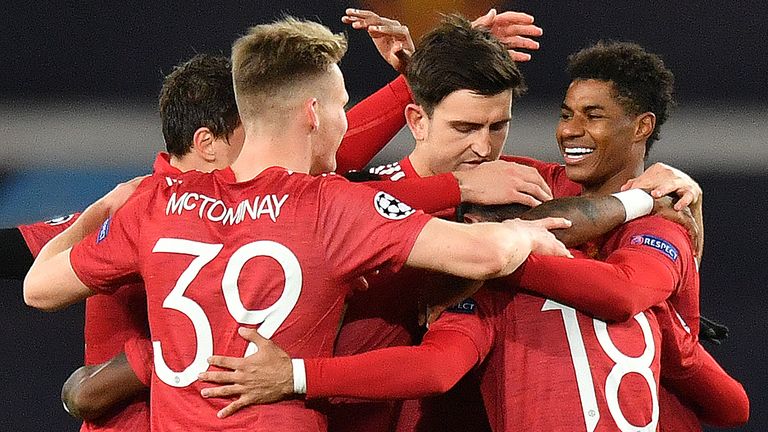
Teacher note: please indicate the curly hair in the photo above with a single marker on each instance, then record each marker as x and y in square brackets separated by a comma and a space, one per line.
[455, 56]
[641, 80]
[197, 93]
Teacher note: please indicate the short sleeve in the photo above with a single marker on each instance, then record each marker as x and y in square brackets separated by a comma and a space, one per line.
[107, 259]
[38, 234]
[365, 229]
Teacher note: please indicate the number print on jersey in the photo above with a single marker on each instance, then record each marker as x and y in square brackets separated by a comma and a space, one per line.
[270, 318]
[623, 365]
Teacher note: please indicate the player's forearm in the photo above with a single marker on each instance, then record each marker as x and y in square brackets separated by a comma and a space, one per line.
[395, 373]
[615, 290]
[429, 194]
[591, 217]
[372, 124]
[717, 398]
[479, 251]
[51, 283]
[93, 391]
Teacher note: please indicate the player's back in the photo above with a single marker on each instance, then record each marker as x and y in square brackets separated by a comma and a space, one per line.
[272, 253]
[555, 369]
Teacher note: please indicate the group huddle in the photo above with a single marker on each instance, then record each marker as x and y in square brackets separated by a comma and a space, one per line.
[262, 279]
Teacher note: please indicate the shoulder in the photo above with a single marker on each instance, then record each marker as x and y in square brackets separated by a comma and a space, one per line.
[654, 233]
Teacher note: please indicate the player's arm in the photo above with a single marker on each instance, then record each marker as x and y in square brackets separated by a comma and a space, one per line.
[93, 391]
[51, 283]
[689, 371]
[16, 257]
[483, 250]
[378, 118]
[631, 279]
[270, 375]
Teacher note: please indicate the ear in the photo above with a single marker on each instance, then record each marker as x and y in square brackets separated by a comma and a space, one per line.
[470, 218]
[646, 123]
[417, 120]
[202, 144]
[311, 107]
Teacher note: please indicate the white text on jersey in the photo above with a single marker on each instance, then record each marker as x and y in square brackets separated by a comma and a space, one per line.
[216, 210]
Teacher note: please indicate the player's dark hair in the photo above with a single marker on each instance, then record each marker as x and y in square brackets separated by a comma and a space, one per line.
[491, 213]
[641, 81]
[198, 93]
[454, 56]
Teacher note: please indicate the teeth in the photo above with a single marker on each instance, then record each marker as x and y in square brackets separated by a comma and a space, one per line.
[578, 151]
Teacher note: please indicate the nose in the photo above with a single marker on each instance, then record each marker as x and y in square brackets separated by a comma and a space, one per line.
[481, 144]
[571, 127]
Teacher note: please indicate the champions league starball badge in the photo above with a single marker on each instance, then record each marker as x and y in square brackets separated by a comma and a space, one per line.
[390, 207]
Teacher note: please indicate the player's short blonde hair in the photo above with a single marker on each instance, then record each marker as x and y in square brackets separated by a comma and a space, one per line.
[272, 60]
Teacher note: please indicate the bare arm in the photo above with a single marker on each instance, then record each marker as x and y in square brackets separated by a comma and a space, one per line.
[51, 283]
[93, 391]
[483, 250]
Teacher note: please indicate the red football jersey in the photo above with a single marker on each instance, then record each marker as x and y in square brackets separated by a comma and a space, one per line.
[277, 252]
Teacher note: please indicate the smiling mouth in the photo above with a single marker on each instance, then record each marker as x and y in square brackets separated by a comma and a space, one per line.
[574, 154]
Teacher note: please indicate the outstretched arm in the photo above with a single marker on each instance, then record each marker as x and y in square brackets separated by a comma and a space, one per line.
[270, 375]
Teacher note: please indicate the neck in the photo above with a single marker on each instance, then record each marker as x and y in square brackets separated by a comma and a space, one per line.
[267, 146]
[419, 160]
[613, 183]
[189, 162]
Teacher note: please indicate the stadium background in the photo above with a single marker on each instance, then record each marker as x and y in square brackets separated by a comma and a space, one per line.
[78, 86]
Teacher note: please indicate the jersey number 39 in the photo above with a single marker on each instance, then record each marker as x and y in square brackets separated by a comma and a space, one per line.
[270, 318]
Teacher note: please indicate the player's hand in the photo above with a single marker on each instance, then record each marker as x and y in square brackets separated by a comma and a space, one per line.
[514, 30]
[543, 242]
[392, 39]
[263, 377]
[664, 207]
[502, 182]
[115, 198]
[661, 179]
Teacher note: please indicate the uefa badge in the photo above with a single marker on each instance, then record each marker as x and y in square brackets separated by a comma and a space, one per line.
[390, 207]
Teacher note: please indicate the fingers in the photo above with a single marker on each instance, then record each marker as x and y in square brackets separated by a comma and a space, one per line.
[234, 407]
[685, 200]
[485, 20]
[519, 56]
[362, 19]
[222, 391]
[510, 17]
[231, 363]
[251, 335]
[551, 223]
[218, 377]
[519, 42]
[524, 199]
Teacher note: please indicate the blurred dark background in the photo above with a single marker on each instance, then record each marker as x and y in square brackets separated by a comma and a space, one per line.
[78, 87]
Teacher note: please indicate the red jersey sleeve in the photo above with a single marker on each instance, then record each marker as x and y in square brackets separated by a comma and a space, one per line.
[372, 124]
[552, 173]
[644, 268]
[690, 372]
[36, 235]
[365, 229]
[107, 259]
[139, 353]
[455, 343]
[429, 194]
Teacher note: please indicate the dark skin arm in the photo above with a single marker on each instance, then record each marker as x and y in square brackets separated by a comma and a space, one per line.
[94, 391]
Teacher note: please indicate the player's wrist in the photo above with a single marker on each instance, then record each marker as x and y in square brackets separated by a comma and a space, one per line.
[636, 202]
[299, 376]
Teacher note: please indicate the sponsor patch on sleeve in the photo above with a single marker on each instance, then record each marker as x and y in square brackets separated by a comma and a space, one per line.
[104, 230]
[390, 207]
[466, 306]
[657, 243]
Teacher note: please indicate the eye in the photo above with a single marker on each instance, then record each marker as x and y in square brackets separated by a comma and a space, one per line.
[566, 115]
[500, 126]
[463, 128]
